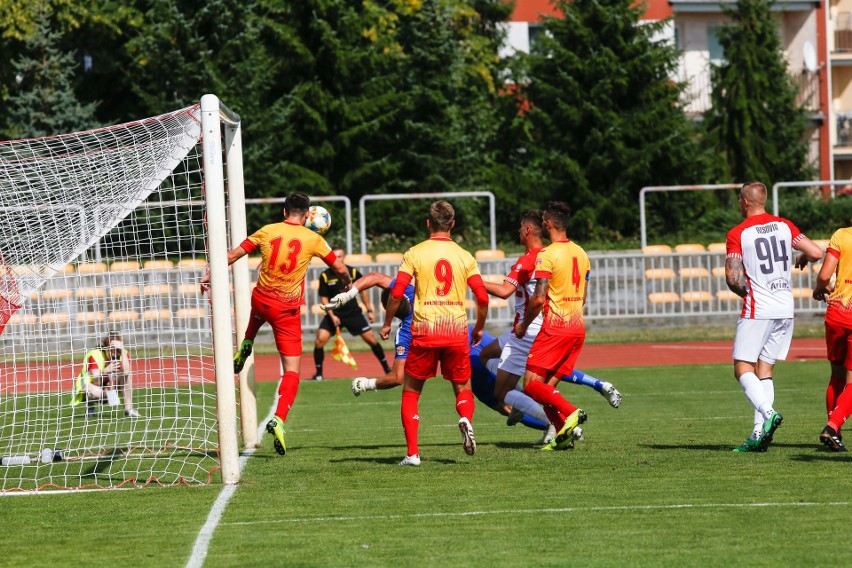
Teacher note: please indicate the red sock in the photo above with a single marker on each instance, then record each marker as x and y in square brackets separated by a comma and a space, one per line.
[410, 419]
[548, 395]
[832, 392]
[556, 418]
[287, 391]
[842, 411]
[465, 404]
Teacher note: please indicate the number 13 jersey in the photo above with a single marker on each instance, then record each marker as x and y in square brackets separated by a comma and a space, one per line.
[765, 243]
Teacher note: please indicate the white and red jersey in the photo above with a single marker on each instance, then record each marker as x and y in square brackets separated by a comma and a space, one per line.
[521, 277]
[765, 244]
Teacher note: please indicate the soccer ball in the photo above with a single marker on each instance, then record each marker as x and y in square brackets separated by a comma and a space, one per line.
[319, 219]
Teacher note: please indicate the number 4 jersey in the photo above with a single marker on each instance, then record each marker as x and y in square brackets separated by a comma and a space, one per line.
[765, 244]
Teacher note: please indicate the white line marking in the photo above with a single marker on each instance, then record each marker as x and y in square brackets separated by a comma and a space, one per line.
[205, 535]
[540, 511]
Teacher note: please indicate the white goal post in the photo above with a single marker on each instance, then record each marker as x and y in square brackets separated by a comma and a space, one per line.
[115, 369]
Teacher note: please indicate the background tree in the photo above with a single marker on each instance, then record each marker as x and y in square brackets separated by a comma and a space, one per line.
[605, 117]
[755, 123]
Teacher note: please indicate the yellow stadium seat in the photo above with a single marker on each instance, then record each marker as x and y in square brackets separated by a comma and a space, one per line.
[91, 267]
[489, 254]
[389, 257]
[822, 243]
[123, 291]
[816, 267]
[124, 266]
[156, 314]
[55, 318]
[56, 294]
[694, 272]
[663, 297]
[657, 249]
[23, 319]
[315, 309]
[190, 313]
[90, 293]
[254, 262]
[88, 317]
[158, 265]
[496, 303]
[494, 278]
[156, 290]
[357, 259]
[470, 304]
[697, 296]
[314, 284]
[659, 273]
[719, 271]
[717, 247]
[689, 248]
[726, 295]
[189, 289]
[123, 316]
[317, 261]
[192, 264]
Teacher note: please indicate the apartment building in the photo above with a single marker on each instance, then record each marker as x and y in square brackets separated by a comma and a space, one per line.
[817, 43]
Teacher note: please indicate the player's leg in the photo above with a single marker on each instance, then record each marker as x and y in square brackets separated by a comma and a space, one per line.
[94, 393]
[370, 339]
[256, 321]
[402, 343]
[774, 349]
[324, 333]
[511, 366]
[421, 365]
[839, 343]
[749, 340]
[607, 389]
[124, 382]
[287, 329]
[455, 367]
[836, 342]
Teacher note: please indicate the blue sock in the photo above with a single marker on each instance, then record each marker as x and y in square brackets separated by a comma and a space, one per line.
[581, 378]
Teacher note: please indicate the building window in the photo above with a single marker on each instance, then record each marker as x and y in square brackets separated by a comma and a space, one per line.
[536, 32]
[714, 47]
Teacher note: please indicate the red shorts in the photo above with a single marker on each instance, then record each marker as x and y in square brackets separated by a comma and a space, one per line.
[285, 319]
[422, 362]
[837, 343]
[553, 354]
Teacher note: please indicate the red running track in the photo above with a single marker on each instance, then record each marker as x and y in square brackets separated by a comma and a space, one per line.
[593, 356]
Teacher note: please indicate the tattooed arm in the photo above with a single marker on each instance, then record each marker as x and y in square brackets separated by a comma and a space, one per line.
[534, 307]
[735, 276]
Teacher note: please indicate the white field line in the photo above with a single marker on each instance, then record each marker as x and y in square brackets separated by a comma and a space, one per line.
[515, 512]
[205, 535]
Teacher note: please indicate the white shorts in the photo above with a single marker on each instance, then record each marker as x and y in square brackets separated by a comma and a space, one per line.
[764, 339]
[513, 357]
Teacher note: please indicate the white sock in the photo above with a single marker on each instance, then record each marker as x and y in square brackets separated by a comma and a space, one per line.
[491, 365]
[755, 394]
[517, 399]
[371, 384]
[768, 386]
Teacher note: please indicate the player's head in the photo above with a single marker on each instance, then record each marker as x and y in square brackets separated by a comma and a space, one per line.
[404, 305]
[339, 253]
[555, 217]
[113, 344]
[752, 198]
[441, 217]
[531, 225]
[296, 204]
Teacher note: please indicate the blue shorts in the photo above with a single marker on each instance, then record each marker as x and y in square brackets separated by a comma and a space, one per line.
[402, 341]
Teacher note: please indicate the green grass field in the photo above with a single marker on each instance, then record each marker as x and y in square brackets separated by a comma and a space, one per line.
[655, 483]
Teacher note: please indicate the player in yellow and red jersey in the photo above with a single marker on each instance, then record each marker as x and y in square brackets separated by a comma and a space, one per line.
[287, 249]
[562, 272]
[838, 333]
[442, 271]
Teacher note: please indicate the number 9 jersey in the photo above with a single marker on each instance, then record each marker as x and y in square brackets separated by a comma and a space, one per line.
[765, 244]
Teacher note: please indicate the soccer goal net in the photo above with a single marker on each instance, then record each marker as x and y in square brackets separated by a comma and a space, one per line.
[108, 371]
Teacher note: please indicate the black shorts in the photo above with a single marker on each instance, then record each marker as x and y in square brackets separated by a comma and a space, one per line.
[356, 324]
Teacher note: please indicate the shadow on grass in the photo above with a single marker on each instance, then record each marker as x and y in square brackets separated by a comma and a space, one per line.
[702, 447]
[823, 456]
[514, 445]
[395, 460]
[104, 462]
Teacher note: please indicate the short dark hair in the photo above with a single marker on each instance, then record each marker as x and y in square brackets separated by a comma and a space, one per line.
[535, 218]
[441, 216]
[296, 204]
[559, 214]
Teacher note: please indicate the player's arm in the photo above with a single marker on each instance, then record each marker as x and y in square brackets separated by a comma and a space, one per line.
[479, 291]
[503, 290]
[823, 282]
[535, 305]
[342, 272]
[735, 276]
[394, 300]
[234, 255]
[810, 252]
[361, 285]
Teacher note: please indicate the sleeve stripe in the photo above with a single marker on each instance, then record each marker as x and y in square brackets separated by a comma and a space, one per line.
[735, 255]
[798, 238]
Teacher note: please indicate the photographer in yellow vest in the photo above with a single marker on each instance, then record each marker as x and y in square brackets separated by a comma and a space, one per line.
[106, 371]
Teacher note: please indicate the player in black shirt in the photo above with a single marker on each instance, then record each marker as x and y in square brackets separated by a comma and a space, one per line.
[349, 316]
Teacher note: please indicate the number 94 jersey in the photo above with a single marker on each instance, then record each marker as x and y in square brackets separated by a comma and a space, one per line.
[765, 244]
